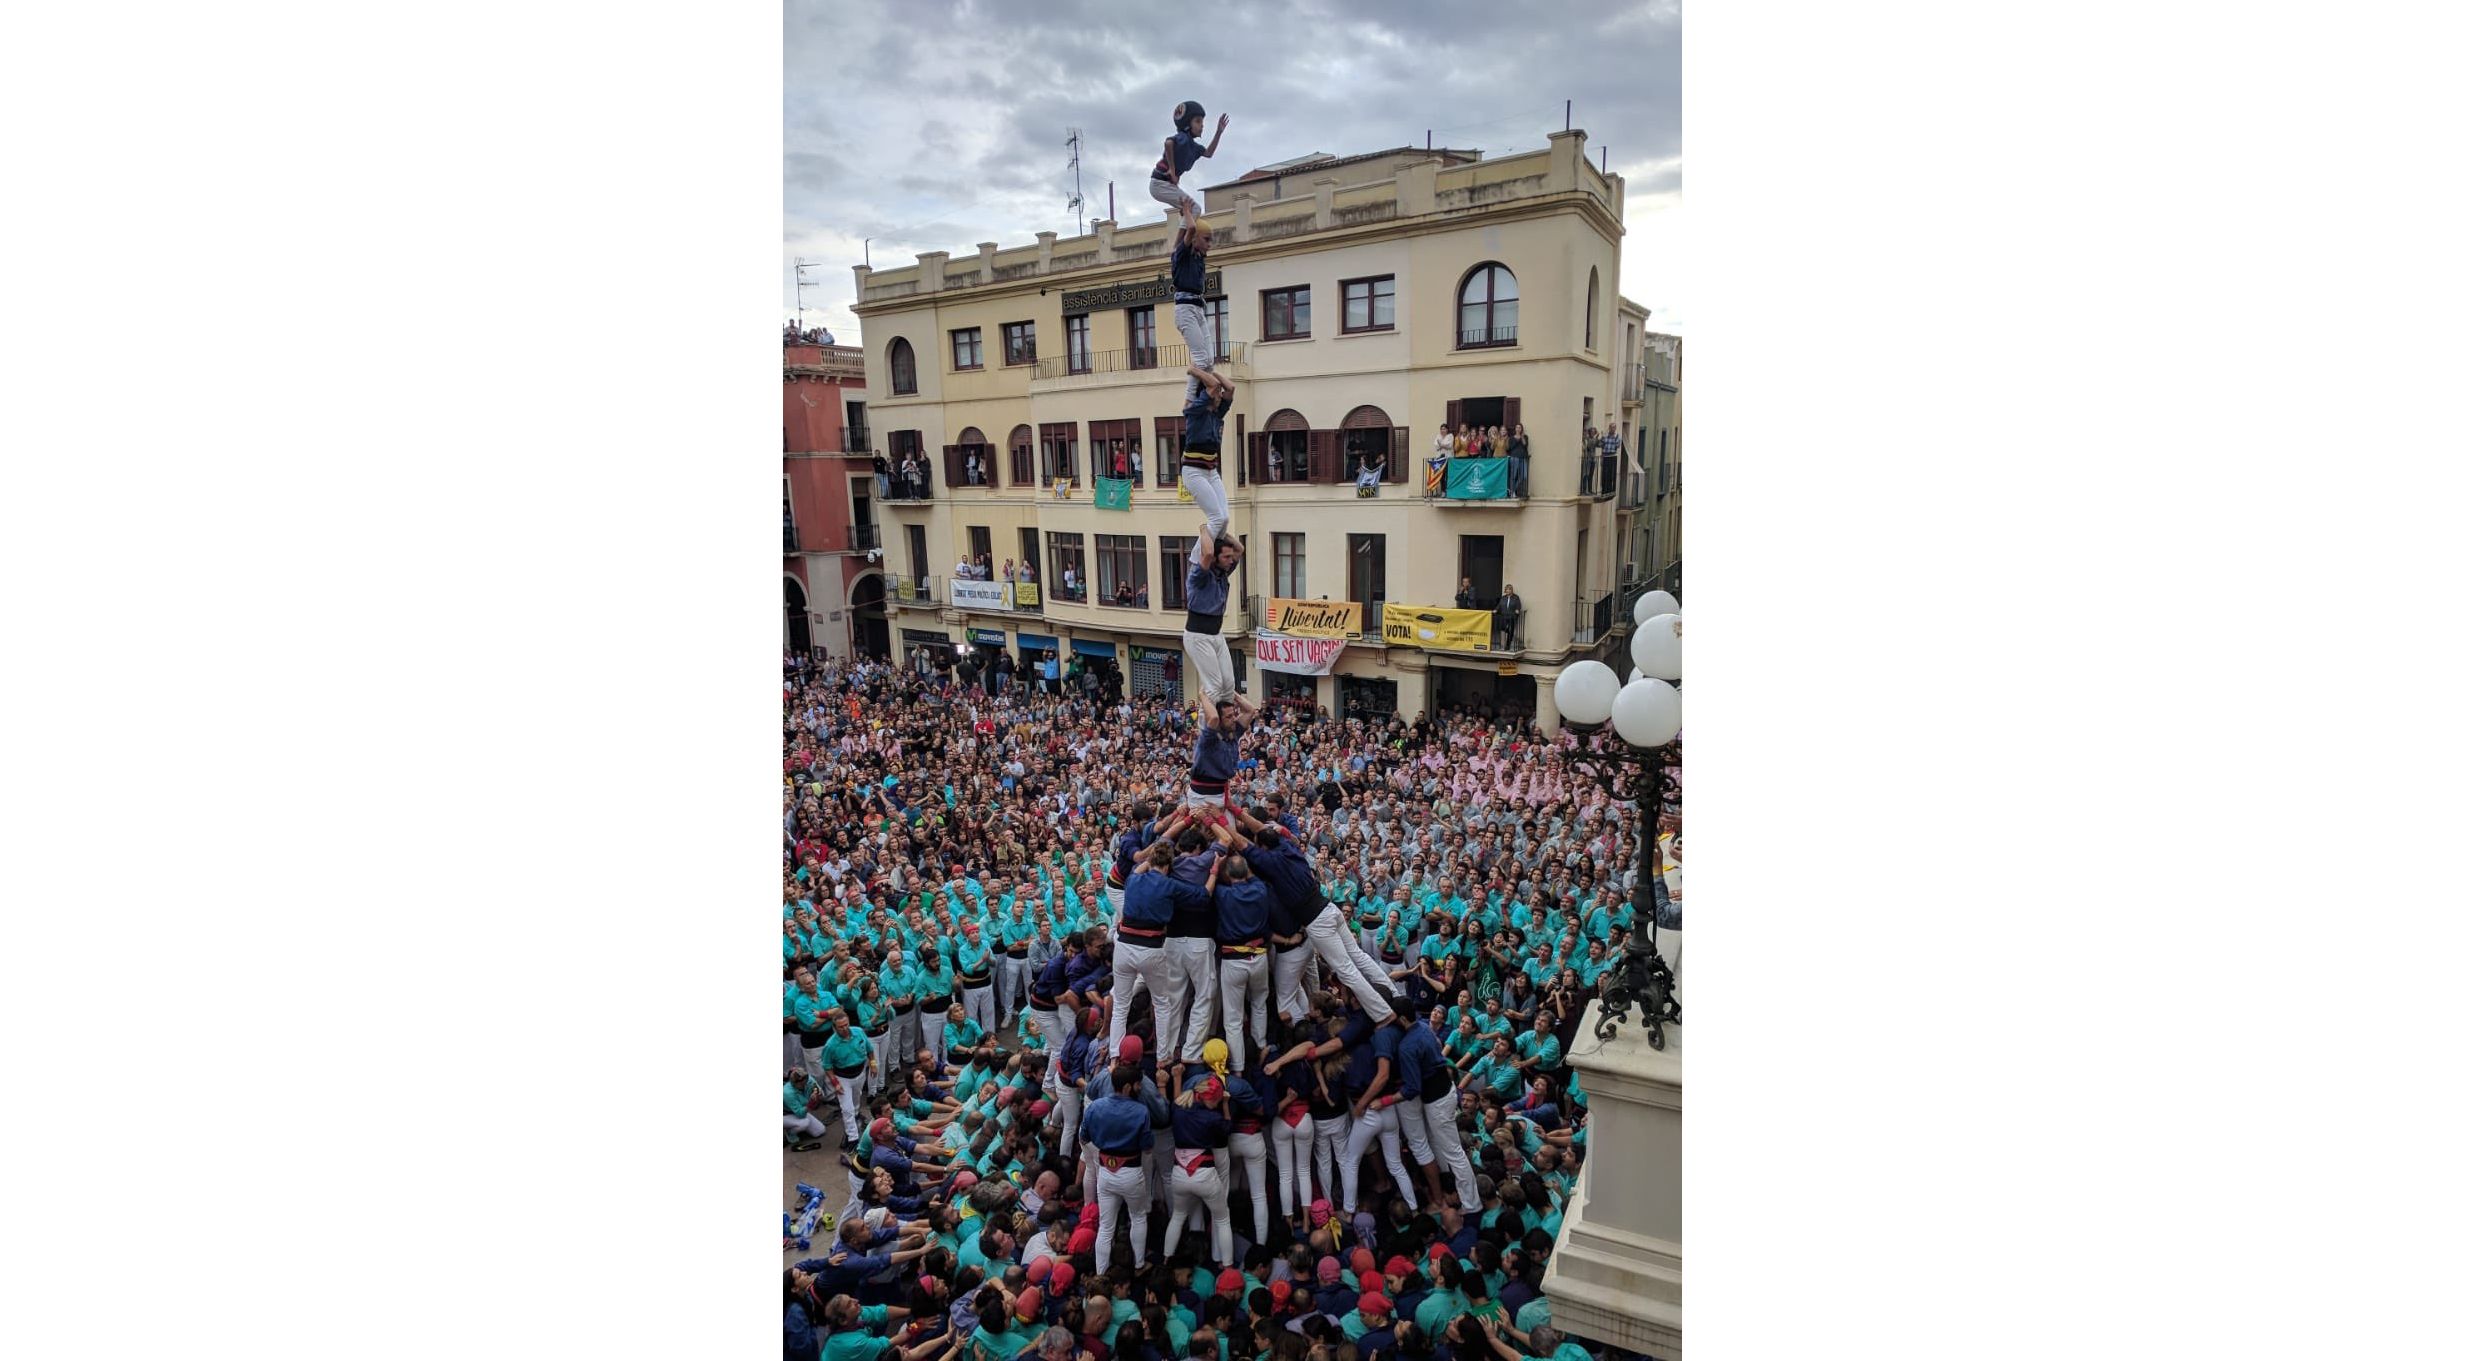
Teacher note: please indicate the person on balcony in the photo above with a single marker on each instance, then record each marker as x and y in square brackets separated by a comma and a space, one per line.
[1368, 472]
[1467, 599]
[1506, 619]
[1518, 461]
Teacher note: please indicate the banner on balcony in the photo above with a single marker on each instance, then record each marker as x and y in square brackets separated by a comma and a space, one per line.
[1297, 656]
[1437, 627]
[1112, 493]
[1061, 489]
[1479, 479]
[981, 595]
[1316, 618]
[1026, 595]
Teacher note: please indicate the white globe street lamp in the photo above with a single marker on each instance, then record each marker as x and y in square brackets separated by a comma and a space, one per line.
[1647, 716]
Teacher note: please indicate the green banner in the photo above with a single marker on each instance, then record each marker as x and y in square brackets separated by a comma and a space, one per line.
[1479, 479]
[1112, 493]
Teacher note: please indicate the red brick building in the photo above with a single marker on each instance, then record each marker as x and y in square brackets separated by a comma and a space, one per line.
[832, 579]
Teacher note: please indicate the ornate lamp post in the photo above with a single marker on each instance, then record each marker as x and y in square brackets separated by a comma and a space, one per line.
[1634, 760]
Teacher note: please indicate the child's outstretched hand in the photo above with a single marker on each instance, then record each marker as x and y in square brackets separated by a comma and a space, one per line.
[1222, 119]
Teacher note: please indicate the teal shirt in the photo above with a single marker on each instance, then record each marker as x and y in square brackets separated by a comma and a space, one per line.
[861, 1343]
[809, 1009]
[1545, 1051]
[962, 1034]
[847, 1050]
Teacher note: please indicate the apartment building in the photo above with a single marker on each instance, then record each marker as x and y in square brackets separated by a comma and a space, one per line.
[1653, 524]
[1360, 302]
[830, 530]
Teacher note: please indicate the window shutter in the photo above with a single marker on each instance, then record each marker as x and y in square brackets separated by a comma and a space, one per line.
[953, 462]
[1509, 412]
[1397, 453]
[1256, 453]
[1451, 419]
[1325, 455]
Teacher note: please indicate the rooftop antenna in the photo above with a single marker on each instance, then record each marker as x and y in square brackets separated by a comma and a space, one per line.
[801, 283]
[1078, 182]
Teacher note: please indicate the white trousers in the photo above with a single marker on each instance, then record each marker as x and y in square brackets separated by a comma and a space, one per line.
[1294, 1163]
[1013, 979]
[1195, 962]
[1150, 966]
[1214, 664]
[1431, 1130]
[808, 1126]
[1247, 1156]
[1378, 1122]
[1207, 489]
[876, 1076]
[850, 1098]
[1289, 969]
[1362, 975]
[979, 1008]
[1329, 1160]
[933, 1015]
[1119, 1190]
[1190, 321]
[1204, 1189]
[1243, 983]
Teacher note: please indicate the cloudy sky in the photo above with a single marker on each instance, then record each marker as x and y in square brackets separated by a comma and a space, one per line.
[930, 126]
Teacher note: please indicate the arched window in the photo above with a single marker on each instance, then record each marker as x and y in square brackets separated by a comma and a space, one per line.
[1289, 447]
[1591, 309]
[975, 458]
[901, 368]
[1488, 307]
[1364, 440]
[1022, 456]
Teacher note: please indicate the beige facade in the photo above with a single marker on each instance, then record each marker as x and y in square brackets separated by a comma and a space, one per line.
[1657, 526]
[1567, 351]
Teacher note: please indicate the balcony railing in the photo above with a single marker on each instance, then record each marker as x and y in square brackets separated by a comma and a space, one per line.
[1489, 338]
[918, 593]
[862, 538]
[857, 440]
[1168, 359]
[994, 597]
[1513, 484]
[1594, 619]
[1596, 474]
[903, 488]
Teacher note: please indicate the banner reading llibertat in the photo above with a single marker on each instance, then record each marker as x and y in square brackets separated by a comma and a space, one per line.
[1297, 656]
[1316, 618]
[1437, 627]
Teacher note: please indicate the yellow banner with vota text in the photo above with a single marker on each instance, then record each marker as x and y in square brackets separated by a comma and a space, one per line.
[1432, 626]
[1316, 618]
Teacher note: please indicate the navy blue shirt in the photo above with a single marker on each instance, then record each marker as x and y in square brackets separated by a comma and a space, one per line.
[1126, 854]
[1117, 1125]
[1418, 1058]
[1186, 153]
[1290, 878]
[1197, 1126]
[1214, 758]
[1242, 912]
[1203, 424]
[1152, 899]
[1205, 591]
[1190, 269]
[1364, 1058]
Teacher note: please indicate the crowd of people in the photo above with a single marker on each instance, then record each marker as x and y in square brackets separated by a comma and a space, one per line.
[1155, 1033]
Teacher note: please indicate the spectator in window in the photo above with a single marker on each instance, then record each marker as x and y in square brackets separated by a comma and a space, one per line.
[1467, 598]
[965, 572]
[1501, 442]
[1123, 595]
[880, 475]
[1518, 461]
[1506, 617]
[974, 465]
[1009, 569]
[1444, 443]
[1070, 582]
[1143, 597]
[1368, 473]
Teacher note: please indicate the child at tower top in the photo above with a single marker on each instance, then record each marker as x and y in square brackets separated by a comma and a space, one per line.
[1182, 151]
